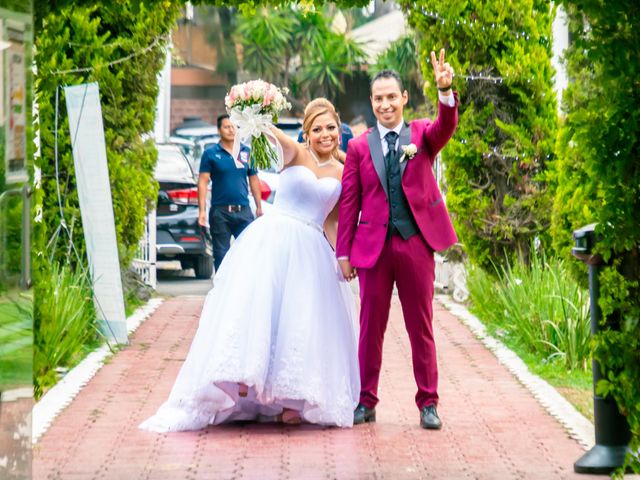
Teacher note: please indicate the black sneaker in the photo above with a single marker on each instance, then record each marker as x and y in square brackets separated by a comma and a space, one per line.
[363, 414]
[429, 418]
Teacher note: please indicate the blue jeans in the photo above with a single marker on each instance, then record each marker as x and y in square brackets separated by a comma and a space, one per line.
[224, 223]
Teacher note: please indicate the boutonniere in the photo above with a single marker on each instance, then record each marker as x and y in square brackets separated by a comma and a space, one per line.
[408, 152]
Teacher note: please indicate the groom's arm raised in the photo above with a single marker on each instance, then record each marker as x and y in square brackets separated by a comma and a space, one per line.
[438, 133]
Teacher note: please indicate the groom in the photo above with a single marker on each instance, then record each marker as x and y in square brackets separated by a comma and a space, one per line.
[392, 218]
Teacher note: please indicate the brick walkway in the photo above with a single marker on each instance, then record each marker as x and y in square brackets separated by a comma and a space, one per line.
[15, 437]
[493, 427]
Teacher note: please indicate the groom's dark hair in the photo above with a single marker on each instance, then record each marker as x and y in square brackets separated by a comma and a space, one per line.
[387, 74]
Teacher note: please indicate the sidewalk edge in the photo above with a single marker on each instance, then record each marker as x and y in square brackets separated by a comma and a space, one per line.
[578, 427]
[62, 394]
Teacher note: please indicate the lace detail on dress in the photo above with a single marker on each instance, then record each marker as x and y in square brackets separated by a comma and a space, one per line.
[261, 326]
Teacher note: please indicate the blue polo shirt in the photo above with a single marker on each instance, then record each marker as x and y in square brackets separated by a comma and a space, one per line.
[229, 184]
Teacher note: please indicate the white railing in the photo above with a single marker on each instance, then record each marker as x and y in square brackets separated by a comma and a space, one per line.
[450, 278]
[443, 273]
[145, 261]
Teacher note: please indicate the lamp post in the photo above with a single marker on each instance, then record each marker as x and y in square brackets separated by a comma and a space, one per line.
[611, 428]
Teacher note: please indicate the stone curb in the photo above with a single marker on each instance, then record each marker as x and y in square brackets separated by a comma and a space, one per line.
[577, 426]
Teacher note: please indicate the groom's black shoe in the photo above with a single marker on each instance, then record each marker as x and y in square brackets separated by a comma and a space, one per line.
[429, 418]
[363, 414]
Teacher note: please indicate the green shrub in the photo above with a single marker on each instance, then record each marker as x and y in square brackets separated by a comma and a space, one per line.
[538, 306]
[402, 56]
[79, 35]
[497, 162]
[64, 323]
[121, 46]
[16, 341]
[599, 181]
[11, 219]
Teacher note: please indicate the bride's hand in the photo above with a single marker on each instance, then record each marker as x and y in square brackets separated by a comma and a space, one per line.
[348, 271]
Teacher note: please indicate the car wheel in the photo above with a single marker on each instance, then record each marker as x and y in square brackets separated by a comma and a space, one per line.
[186, 264]
[203, 266]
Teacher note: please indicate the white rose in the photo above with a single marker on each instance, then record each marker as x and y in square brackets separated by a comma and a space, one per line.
[408, 152]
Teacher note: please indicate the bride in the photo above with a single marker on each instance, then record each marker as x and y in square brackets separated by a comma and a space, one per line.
[277, 337]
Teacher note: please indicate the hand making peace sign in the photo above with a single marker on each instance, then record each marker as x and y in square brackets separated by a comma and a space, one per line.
[443, 71]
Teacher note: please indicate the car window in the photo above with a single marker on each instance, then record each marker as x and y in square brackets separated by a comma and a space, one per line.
[196, 133]
[290, 127]
[172, 164]
[187, 149]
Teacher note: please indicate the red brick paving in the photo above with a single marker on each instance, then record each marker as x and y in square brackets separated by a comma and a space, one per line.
[15, 438]
[493, 427]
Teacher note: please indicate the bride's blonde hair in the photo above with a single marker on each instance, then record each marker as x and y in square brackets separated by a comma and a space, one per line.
[315, 108]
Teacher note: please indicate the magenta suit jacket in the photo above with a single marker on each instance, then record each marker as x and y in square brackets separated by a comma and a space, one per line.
[364, 207]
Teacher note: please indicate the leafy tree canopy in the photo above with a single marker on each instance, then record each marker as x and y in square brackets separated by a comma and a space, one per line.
[497, 163]
[598, 176]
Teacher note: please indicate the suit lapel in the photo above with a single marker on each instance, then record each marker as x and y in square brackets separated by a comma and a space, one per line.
[405, 139]
[375, 147]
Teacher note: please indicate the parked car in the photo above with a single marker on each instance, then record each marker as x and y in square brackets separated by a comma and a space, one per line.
[194, 128]
[269, 180]
[178, 234]
[200, 146]
[290, 126]
[188, 147]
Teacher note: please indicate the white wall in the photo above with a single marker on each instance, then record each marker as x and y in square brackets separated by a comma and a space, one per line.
[163, 103]
[560, 31]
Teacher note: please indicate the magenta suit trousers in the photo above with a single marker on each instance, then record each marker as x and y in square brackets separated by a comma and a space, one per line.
[410, 264]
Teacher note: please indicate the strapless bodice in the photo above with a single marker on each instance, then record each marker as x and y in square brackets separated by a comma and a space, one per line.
[303, 195]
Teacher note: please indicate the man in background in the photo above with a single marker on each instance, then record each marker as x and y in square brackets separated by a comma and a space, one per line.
[230, 212]
[358, 126]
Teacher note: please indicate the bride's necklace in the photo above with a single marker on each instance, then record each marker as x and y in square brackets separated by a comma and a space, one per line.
[317, 160]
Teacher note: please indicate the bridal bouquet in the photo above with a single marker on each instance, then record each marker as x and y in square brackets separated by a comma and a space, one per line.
[253, 107]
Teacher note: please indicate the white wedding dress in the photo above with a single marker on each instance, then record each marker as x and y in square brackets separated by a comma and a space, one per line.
[280, 319]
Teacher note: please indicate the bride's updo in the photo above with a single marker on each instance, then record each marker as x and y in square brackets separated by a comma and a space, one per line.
[315, 108]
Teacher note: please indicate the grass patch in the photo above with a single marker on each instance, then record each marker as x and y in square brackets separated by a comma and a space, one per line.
[16, 341]
[132, 303]
[574, 385]
[541, 314]
[136, 292]
[65, 326]
[66, 330]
